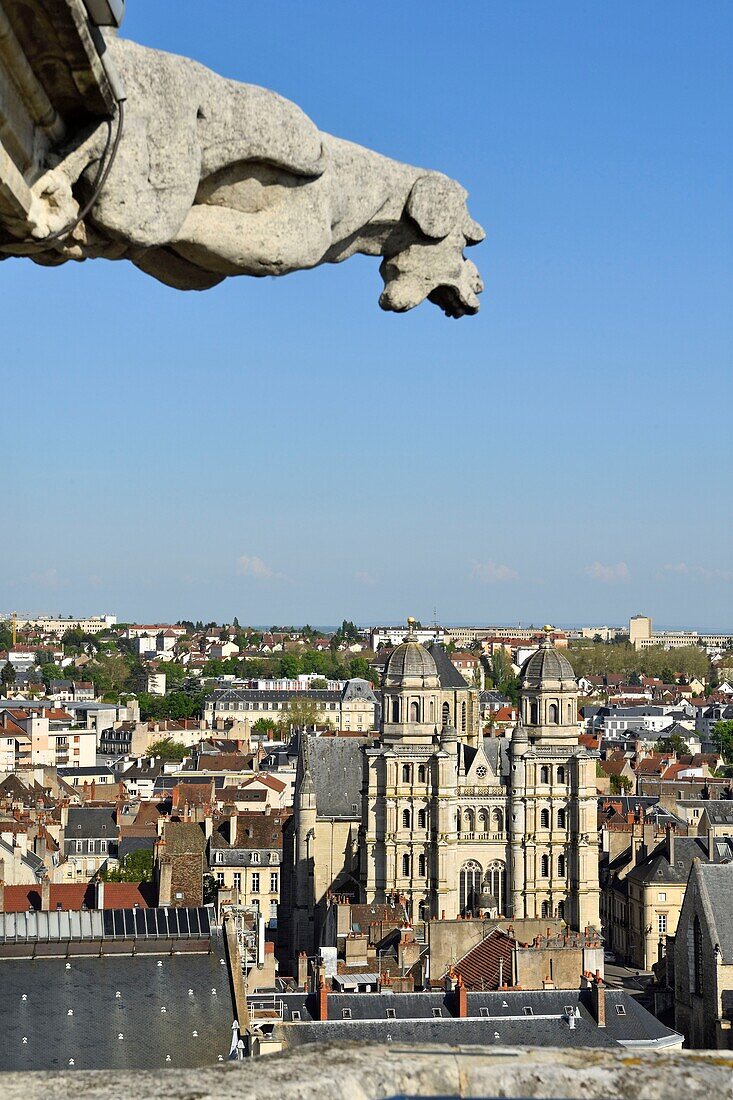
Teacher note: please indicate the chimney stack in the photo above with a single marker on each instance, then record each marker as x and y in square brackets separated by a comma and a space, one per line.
[461, 999]
[100, 894]
[322, 1001]
[670, 844]
[45, 894]
[302, 971]
[598, 998]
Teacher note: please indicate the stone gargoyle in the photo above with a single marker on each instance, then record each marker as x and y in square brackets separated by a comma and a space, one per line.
[215, 178]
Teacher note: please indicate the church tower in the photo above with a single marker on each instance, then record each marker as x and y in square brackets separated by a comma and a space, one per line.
[553, 827]
[408, 835]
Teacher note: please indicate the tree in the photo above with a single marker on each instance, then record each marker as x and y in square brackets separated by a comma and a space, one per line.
[263, 726]
[674, 743]
[135, 867]
[319, 684]
[168, 749]
[620, 784]
[723, 738]
[301, 714]
[501, 669]
[290, 666]
[7, 675]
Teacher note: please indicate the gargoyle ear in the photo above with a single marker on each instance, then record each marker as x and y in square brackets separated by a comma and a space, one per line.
[437, 204]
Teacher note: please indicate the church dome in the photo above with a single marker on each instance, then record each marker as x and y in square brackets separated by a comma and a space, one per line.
[547, 667]
[411, 664]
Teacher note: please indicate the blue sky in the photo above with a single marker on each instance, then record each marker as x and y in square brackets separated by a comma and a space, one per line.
[281, 450]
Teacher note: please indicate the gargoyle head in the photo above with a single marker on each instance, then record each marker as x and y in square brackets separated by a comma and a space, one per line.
[434, 266]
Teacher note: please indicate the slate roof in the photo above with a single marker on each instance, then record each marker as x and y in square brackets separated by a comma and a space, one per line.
[85, 823]
[719, 811]
[336, 767]
[448, 675]
[497, 1017]
[656, 866]
[194, 1031]
[715, 881]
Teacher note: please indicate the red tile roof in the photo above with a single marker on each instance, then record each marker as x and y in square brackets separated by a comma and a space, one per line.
[75, 896]
[479, 968]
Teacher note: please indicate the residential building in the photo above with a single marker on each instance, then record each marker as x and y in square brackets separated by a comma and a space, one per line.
[354, 707]
[245, 857]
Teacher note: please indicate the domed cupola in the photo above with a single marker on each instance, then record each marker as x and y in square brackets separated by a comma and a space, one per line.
[410, 691]
[549, 694]
[410, 665]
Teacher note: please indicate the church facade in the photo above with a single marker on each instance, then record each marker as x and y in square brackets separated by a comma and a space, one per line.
[454, 822]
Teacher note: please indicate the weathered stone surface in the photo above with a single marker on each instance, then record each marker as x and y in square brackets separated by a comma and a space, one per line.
[357, 1072]
[216, 178]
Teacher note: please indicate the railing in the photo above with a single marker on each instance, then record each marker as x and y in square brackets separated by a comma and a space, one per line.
[267, 1008]
[481, 836]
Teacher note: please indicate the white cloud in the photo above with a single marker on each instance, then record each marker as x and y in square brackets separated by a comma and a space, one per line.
[252, 566]
[364, 578]
[608, 574]
[47, 578]
[682, 569]
[490, 572]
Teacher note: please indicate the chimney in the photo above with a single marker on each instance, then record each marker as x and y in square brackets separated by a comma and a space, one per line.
[45, 894]
[2, 886]
[302, 971]
[598, 999]
[100, 894]
[233, 821]
[648, 837]
[322, 1001]
[670, 844]
[461, 999]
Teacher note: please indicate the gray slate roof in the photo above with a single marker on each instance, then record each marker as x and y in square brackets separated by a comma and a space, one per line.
[716, 887]
[489, 1013]
[85, 823]
[91, 1035]
[336, 767]
[448, 675]
[657, 866]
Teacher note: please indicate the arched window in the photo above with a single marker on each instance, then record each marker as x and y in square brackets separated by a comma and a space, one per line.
[497, 821]
[561, 774]
[432, 710]
[406, 866]
[414, 711]
[395, 710]
[495, 883]
[562, 819]
[544, 774]
[697, 954]
[544, 819]
[561, 866]
[470, 886]
[463, 717]
[406, 773]
[445, 718]
[561, 910]
[534, 714]
[552, 714]
[406, 819]
[422, 819]
[422, 866]
[421, 774]
[545, 911]
[483, 821]
[545, 867]
[468, 821]
[459, 820]
[423, 911]
[570, 712]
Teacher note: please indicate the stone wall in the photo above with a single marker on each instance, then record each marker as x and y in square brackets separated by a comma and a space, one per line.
[357, 1072]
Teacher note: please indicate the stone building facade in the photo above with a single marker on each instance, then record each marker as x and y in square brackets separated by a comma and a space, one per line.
[452, 822]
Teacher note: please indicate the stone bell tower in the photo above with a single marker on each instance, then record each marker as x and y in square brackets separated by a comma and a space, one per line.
[553, 824]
